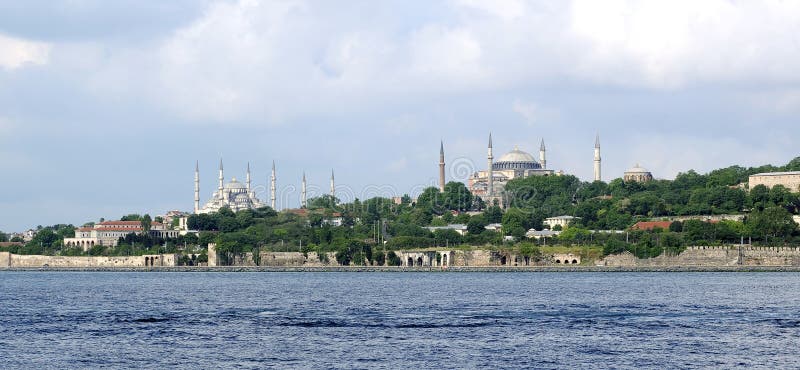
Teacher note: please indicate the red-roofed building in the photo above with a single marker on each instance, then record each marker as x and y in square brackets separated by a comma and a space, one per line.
[650, 225]
[108, 233]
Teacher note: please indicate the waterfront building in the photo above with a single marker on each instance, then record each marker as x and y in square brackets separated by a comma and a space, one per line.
[233, 195]
[637, 174]
[108, 233]
[790, 180]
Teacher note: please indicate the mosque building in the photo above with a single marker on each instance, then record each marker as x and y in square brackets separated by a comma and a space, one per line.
[234, 195]
[490, 184]
[637, 174]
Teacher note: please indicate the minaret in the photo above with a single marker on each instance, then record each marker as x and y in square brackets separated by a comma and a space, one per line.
[272, 186]
[196, 187]
[219, 188]
[303, 203]
[248, 178]
[597, 176]
[441, 166]
[333, 188]
[542, 157]
[490, 171]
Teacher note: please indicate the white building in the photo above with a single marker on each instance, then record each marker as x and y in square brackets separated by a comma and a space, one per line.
[461, 229]
[233, 195]
[562, 221]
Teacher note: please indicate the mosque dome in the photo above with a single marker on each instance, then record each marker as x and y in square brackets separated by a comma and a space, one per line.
[234, 184]
[637, 174]
[637, 169]
[516, 160]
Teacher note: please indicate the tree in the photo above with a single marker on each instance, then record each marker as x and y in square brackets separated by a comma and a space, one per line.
[515, 220]
[493, 214]
[771, 222]
[431, 199]
[457, 197]
[146, 223]
[476, 225]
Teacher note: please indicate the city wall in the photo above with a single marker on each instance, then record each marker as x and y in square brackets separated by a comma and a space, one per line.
[9, 260]
[712, 256]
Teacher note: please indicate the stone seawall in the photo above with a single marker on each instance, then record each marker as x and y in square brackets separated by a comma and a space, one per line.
[713, 256]
[9, 260]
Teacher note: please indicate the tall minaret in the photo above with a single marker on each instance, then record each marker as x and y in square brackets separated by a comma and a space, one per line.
[272, 186]
[441, 166]
[248, 178]
[219, 188]
[597, 176]
[333, 187]
[303, 203]
[196, 187]
[490, 171]
[542, 157]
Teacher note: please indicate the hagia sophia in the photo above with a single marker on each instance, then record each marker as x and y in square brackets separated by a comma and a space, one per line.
[489, 184]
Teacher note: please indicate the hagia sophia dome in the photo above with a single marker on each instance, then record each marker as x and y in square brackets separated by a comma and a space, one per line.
[516, 160]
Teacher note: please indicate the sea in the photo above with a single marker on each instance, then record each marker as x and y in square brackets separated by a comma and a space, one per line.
[419, 320]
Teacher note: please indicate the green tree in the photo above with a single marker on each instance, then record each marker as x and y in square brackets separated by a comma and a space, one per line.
[773, 222]
[146, 223]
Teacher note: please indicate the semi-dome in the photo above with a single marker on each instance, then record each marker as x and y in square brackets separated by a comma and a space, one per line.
[516, 160]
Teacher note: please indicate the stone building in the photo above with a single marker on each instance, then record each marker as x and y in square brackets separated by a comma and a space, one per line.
[637, 174]
[108, 233]
[790, 180]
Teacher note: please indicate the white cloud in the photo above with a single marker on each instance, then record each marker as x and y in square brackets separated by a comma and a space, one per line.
[527, 110]
[271, 62]
[672, 44]
[16, 53]
[398, 165]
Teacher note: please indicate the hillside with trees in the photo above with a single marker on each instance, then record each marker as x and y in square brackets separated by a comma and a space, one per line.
[371, 228]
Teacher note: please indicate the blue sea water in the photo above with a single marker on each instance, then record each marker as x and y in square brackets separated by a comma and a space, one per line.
[399, 320]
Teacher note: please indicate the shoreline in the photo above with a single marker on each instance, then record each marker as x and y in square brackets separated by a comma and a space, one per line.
[452, 269]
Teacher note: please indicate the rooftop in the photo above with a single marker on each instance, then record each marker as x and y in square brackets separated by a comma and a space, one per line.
[777, 173]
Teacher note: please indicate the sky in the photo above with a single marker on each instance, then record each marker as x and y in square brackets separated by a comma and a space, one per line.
[106, 106]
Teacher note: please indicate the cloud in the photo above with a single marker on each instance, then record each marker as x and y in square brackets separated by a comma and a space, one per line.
[274, 62]
[398, 165]
[527, 110]
[16, 53]
[655, 44]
